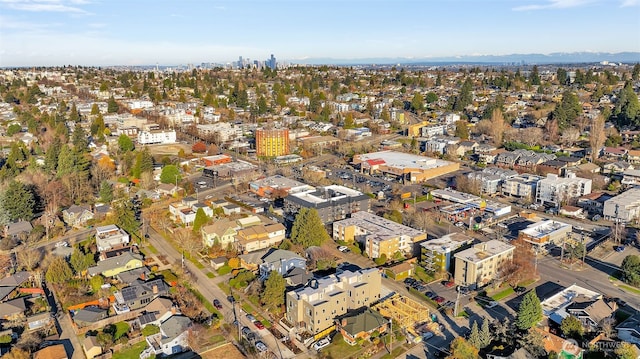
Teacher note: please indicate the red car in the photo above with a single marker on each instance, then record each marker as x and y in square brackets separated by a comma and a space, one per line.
[438, 299]
[449, 284]
[258, 325]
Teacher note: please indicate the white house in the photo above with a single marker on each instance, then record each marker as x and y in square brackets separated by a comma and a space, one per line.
[156, 136]
[172, 339]
[109, 237]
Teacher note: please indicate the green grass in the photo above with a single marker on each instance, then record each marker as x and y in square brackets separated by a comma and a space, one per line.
[132, 352]
[152, 249]
[463, 314]
[340, 349]
[225, 288]
[122, 328]
[503, 294]
[168, 276]
[422, 274]
[247, 307]
[395, 353]
[526, 283]
[225, 269]
[630, 289]
[211, 275]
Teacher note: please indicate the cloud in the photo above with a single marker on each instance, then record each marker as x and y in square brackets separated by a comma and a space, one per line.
[67, 6]
[555, 4]
[629, 3]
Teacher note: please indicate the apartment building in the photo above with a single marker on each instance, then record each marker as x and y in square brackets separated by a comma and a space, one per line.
[314, 307]
[272, 143]
[436, 253]
[332, 202]
[523, 186]
[555, 190]
[156, 136]
[259, 237]
[478, 265]
[379, 235]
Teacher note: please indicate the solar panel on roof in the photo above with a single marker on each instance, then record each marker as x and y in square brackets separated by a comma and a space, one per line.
[147, 318]
[129, 293]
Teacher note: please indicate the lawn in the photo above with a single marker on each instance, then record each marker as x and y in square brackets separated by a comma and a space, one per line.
[152, 249]
[526, 283]
[225, 288]
[132, 352]
[422, 274]
[630, 289]
[394, 354]
[503, 294]
[211, 275]
[340, 349]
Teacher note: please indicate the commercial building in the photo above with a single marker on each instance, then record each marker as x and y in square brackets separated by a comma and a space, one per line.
[332, 202]
[436, 253]
[156, 136]
[272, 143]
[478, 265]
[544, 232]
[277, 185]
[624, 207]
[314, 308]
[379, 235]
[555, 190]
[409, 167]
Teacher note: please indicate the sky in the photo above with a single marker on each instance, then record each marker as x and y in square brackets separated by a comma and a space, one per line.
[174, 32]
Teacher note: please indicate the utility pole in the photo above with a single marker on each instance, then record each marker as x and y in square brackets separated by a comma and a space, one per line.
[455, 309]
[562, 251]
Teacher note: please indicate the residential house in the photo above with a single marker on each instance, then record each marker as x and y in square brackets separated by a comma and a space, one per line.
[13, 310]
[281, 261]
[633, 157]
[110, 236]
[56, 351]
[39, 320]
[314, 307]
[465, 147]
[230, 209]
[259, 237]
[614, 153]
[529, 160]
[478, 265]
[172, 339]
[400, 271]
[15, 280]
[507, 159]
[591, 313]
[629, 330]
[360, 324]
[157, 311]
[15, 229]
[167, 189]
[486, 153]
[631, 177]
[91, 347]
[618, 167]
[564, 348]
[297, 277]
[593, 203]
[552, 166]
[139, 294]
[76, 216]
[111, 267]
[185, 211]
[222, 232]
[88, 316]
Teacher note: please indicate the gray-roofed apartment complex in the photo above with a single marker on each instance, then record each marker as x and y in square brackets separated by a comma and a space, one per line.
[332, 202]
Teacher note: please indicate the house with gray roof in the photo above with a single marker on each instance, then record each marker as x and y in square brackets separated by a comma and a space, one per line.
[89, 315]
[15, 229]
[281, 261]
[76, 216]
[172, 339]
[360, 324]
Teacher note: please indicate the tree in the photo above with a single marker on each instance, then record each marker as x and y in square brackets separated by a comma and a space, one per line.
[29, 258]
[144, 163]
[81, 261]
[462, 130]
[18, 202]
[17, 353]
[394, 215]
[308, 229]
[112, 105]
[200, 220]
[59, 271]
[498, 126]
[79, 138]
[170, 174]
[561, 75]
[106, 192]
[465, 97]
[199, 147]
[529, 312]
[572, 327]
[431, 97]
[417, 103]
[534, 77]
[485, 334]
[596, 136]
[630, 268]
[567, 110]
[474, 336]
[125, 143]
[626, 350]
[461, 349]
[274, 287]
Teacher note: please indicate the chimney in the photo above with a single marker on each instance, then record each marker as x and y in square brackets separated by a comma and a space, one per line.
[143, 276]
[344, 322]
[155, 289]
[174, 310]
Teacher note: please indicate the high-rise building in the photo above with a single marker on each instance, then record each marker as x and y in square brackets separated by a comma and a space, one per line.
[272, 62]
[272, 143]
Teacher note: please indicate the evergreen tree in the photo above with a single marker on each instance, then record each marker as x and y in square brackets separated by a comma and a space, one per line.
[274, 288]
[485, 334]
[169, 174]
[17, 203]
[308, 229]
[572, 327]
[635, 73]
[462, 130]
[95, 110]
[125, 214]
[51, 157]
[106, 192]
[630, 269]
[81, 261]
[474, 336]
[529, 312]
[125, 143]
[112, 105]
[417, 103]
[59, 271]
[200, 220]
[66, 162]
[627, 108]
[561, 74]
[79, 138]
[462, 349]
[74, 115]
[534, 77]
[465, 98]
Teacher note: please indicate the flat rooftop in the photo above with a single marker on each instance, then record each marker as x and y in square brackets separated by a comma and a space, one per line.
[628, 198]
[327, 194]
[544, 228]
[379, 226]
[403, 160]
[483, 251]
[447, 243]
[279, 181]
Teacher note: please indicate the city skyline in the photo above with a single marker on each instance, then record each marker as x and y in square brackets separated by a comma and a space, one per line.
[85, 32]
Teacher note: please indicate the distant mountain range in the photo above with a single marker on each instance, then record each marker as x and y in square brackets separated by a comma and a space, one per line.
[521, 59]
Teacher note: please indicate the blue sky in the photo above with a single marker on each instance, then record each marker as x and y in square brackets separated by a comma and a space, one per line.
[135, 32]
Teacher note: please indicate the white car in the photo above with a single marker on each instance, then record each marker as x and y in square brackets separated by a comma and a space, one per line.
[343, 249]
[321, 344]
[62, 244]
[261, 346]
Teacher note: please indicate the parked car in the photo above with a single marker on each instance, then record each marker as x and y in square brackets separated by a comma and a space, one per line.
[459, 224]
[251, 318]
[261, 346]
[324, 342]
[231, 299]
[596, 218]
[343, 249]
[438, 299]
[217, 304]
[619, 249]
[62, 244]
[246, 331]
[520, 289]
[430, 295]
[449, 284]
[427, 335]
[258, 325]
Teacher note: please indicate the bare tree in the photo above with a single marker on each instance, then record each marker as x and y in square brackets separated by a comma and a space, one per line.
[498, 127]
[29, 258]
[596, 136]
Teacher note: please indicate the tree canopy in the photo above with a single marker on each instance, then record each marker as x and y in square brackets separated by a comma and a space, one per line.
[630, 268]
[308, 229]
[16, 203]
[125, 143]
[274, 287]
[200, 220]
[59, 271]
[170, 174]
[462, 349]
[529, 312]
